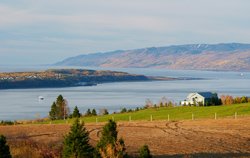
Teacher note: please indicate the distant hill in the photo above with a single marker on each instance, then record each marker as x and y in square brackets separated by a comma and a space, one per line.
[229, 56]
[66, 78]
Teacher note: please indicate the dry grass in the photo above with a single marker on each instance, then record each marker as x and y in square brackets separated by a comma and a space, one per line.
[198, 138]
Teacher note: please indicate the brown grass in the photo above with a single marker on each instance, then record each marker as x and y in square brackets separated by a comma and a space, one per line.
[198, 138]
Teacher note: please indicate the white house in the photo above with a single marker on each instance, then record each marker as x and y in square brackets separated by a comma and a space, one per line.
[204, 98]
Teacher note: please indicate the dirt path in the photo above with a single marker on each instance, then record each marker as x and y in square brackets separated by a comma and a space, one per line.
[198, 138]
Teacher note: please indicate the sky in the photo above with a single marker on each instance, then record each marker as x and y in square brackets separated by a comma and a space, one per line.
[34, 32]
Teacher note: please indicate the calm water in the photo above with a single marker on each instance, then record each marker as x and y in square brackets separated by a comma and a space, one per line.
[24, 103]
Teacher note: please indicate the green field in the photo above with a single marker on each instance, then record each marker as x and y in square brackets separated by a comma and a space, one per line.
[174, 113]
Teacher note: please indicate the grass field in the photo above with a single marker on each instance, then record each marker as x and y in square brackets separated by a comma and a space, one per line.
[173, 113]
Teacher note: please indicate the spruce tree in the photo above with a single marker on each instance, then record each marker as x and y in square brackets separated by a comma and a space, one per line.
[53, 114]
[109, 134]
[4, 148]
[109, 145]
[76, 113]
[76, 143]
[88, 113]
[94, 112]
[60, 102]
[145, 152]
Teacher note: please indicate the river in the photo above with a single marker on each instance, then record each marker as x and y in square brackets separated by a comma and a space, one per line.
[25, 104]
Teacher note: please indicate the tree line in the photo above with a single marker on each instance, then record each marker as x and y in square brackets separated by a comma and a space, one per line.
[60, 110]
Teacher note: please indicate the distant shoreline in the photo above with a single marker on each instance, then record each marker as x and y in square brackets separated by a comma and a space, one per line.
[61, 78]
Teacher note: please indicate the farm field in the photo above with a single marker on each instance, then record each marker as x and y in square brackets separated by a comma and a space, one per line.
[226, 137]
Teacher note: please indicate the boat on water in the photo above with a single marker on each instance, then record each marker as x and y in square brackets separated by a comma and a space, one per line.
[41, 98]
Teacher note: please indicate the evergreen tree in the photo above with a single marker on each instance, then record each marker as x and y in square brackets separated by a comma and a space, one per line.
[76, 113]
[88, 113]
[109, 134]
[94, 112]
[76, 143]
[53, 114]
[60, 102]
[144, 152]
[59, 109]
[4, 148]
[109, 145]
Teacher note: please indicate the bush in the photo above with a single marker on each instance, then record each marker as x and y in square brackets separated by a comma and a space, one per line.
[145, 152]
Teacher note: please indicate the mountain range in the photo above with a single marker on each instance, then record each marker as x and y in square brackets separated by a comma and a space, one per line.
[224, 56]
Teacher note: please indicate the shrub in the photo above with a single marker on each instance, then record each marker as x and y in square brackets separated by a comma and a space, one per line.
[4, 148]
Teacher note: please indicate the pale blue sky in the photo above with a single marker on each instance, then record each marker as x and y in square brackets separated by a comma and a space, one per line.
[47, 31]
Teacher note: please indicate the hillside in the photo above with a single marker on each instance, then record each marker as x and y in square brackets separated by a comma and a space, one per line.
[231, 56]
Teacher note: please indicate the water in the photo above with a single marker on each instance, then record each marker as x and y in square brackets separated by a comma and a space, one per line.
[25, 104]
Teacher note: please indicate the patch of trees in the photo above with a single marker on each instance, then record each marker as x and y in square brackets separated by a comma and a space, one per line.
[59, 109]
[125, 110]
[228, 100]
[213, 101]
[91, 112]
[36, 83]
[4, 123]
[76, 143]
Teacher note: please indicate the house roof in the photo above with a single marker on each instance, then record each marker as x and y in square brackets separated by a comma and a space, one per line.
[206, 94]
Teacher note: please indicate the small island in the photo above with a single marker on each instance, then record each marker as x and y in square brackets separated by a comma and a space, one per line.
[55, 78]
